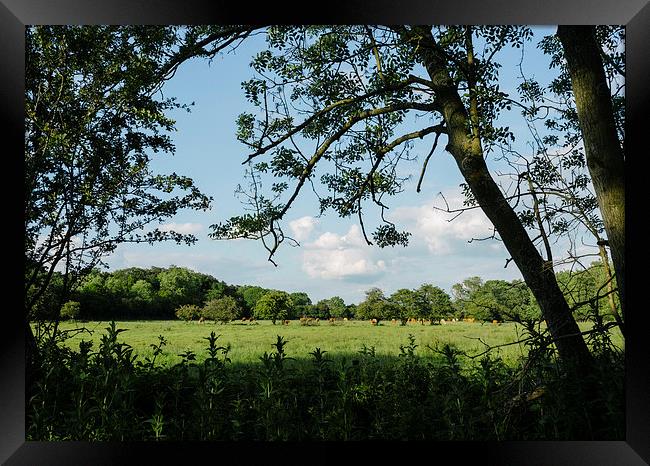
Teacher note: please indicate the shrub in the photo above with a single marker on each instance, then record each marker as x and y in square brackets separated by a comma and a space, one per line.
[223, 309]
[70, 310]
[188, 312]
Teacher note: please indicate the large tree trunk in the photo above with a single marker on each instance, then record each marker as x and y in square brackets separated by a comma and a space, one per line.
[603, 150]
[465, 147]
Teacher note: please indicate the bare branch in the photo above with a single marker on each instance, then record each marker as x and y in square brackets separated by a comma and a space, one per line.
[426, 161]
[343, 102]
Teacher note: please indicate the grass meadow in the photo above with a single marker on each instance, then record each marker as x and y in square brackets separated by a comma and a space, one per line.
[340, 339]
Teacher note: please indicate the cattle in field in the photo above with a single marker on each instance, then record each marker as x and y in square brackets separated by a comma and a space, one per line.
[201, 320]
[373, 321]
[345, 319]
[244, 319]
[286, 322]
[393, 321]
[495, 322]
[332, 320]
[443, 321]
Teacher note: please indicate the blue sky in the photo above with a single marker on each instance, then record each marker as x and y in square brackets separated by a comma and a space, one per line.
[332, 259]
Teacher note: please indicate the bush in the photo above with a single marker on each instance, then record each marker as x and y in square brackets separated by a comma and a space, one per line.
[70, 310]
[223, 309]
[188, 312]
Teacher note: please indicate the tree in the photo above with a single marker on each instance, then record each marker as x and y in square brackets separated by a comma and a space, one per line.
[142, 291]
[47, 307]
[217, 290]
[495, 300]
[357, 84]
[337, 307]
[351, 310]
[142, 298]
[491, 301]
[251, 295]
[463, 293]
[320, 310]
[223, 309]
[560, 181]
[409, 304]
[274, 305]
[93, 295]
[376, 306]
[437, 303]
[179, 285]
[603, 149]
[518, 302]
[588, 294]
[301, 303]
[70, 310]
[94, 118]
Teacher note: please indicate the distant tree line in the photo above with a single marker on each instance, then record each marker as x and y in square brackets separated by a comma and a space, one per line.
[178, 292]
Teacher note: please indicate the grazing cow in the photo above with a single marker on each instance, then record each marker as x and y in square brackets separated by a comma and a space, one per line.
[443, 322]
[244, 319]
[332, 320]
[345, 319]
[373, 321]
[201, 320]
[495, 322]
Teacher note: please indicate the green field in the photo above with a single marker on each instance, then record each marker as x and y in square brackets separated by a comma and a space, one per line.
[249, 341]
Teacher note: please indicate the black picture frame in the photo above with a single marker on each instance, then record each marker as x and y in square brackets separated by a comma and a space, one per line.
[15, 14]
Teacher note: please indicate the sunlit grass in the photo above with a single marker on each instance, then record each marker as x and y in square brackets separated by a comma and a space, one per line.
[249, 341]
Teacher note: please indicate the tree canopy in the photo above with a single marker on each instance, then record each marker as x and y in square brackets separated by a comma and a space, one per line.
[274, 306]
[333, 106]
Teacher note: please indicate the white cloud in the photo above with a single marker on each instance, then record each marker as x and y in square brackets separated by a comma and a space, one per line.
[332, 256]
[434, 228]
[301, 228]
[183, 228]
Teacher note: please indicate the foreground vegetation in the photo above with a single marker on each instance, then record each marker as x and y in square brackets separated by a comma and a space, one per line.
[107, 392]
